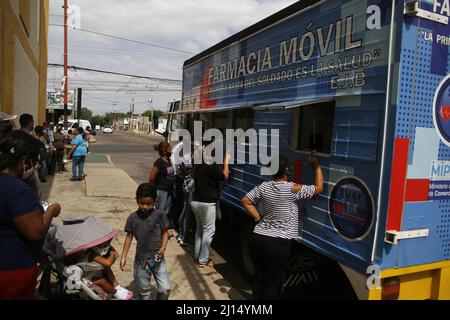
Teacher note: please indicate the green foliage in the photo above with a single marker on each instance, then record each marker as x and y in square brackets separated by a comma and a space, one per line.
[97, 121]
[157, 113]
[86, 114]
[107, 118]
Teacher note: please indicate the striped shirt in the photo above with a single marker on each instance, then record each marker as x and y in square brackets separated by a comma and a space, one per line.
[280, 208]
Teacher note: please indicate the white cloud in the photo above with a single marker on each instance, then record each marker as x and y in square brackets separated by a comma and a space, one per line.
[190, 25]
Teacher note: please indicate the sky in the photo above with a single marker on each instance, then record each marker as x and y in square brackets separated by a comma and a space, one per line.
[185, 25]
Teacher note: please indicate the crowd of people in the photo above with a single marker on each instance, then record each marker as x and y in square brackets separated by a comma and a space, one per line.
[57, 147]
[174, 197]
[199, 198]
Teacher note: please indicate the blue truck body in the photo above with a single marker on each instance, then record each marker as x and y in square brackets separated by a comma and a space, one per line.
[385, 73]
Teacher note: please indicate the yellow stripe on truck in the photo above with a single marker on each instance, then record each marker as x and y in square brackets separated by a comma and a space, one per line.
[424, 282]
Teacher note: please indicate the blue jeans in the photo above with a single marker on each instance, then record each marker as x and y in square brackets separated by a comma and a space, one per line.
[164, 202]
[78, 163]
[205, 215]
[143, 279]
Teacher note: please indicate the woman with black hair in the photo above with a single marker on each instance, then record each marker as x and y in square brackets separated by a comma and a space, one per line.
[204, 205]
[78, 155]
[163, 177]
[273, 235]
[23, 221]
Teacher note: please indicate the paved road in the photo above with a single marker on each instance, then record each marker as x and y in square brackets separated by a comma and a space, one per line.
[135, 155]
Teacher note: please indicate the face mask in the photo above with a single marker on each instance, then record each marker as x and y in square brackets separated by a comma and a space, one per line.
[27, 173]
[145, 213]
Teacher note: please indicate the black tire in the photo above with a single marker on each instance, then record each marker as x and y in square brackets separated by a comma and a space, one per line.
[44, 289]
[245, 261]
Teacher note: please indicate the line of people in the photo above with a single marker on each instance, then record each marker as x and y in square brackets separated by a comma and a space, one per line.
[24, 222]
[56, 148]
[276, 226]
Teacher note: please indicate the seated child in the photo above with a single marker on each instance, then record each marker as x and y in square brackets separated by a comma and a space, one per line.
[106, 255]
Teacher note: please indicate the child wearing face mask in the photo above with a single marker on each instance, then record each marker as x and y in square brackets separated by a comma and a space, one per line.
[106, 256]
[150, 228]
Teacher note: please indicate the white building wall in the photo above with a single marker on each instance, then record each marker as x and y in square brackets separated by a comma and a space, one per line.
[26, 84]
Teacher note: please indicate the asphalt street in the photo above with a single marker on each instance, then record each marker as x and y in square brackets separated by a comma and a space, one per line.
[132, 153]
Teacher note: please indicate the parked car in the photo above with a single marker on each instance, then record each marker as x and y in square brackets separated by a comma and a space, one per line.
[82, 123]
[107, 129]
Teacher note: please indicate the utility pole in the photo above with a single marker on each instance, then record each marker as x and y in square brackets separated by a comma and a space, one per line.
[150, 101]
[132, 114]
[66, 78]
[115, 104]
[80, 94]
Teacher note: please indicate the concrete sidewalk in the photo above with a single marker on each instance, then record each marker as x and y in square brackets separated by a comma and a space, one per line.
[105, 180]
[108, 193]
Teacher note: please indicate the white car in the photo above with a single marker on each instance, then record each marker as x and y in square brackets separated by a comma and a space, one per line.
[108, 130]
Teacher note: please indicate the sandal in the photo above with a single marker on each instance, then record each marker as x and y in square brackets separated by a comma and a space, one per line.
[207, 264]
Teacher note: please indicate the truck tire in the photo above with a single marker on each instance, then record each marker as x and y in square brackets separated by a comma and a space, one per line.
[245, 261]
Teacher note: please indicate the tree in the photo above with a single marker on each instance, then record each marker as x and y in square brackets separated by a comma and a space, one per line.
[108, 117]
[86, 114]
[157, 113]
[97, 121]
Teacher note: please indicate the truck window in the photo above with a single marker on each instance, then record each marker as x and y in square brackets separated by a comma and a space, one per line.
[315, 127]
[243, 119]
[207, 120]
[178, 122]
[223, 120]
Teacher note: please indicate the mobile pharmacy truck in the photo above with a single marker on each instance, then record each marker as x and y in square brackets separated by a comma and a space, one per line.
[366, 84]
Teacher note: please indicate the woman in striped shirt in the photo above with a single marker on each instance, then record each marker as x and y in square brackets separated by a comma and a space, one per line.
[273, 235]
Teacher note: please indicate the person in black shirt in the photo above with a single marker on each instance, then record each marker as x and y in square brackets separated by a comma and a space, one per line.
[205, 198]
[163, 177]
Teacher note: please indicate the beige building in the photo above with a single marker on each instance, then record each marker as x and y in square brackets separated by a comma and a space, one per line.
[23, 57]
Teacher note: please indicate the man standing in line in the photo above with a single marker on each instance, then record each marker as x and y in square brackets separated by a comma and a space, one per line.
[51, 160]
[27, 123]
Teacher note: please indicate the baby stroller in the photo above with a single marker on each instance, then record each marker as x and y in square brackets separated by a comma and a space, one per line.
[66, 272]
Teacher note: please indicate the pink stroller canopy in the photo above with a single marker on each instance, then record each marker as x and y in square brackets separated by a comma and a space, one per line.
[77, 234]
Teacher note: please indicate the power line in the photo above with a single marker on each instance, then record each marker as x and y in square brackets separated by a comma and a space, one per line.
[114, 73]
[75, 47]
[108, 83]
[134, 90]
[126, 39]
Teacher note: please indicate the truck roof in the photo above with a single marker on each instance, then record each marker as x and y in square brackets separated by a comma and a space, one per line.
[300, 5]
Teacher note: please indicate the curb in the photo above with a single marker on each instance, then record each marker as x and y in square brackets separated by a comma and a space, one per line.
[110, 160]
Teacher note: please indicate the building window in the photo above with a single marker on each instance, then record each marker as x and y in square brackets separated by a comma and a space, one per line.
[25, 6]
[315, 127]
